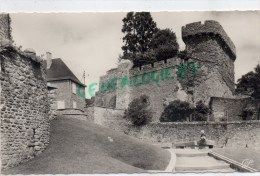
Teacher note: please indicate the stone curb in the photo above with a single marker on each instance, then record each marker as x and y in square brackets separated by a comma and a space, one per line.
[233, 164]
[171, 166]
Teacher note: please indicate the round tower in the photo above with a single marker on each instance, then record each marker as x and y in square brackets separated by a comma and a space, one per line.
[211, 48]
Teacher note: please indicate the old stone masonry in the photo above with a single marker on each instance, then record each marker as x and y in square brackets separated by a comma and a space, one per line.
[211, 50]
[24, 101]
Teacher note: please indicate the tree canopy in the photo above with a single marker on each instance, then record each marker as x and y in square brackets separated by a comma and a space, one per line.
[139, 28]
[249, 84]
[164, 43]
[143, 42]
[176, 111]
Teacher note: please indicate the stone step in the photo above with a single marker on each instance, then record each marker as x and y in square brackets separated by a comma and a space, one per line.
[190, 152]
[199, 163]
[227, 170]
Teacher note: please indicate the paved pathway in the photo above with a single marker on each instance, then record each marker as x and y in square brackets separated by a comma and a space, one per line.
[194, 160]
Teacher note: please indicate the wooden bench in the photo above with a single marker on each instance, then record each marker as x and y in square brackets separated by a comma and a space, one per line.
[194, 144]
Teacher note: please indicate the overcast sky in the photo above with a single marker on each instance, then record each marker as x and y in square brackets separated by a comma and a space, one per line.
[92, 41]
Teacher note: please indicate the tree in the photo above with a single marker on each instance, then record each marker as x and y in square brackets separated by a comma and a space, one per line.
[138, 111]
[176, 111]
[165, 44]
[249, 84]
[138, 28]
[201, 111]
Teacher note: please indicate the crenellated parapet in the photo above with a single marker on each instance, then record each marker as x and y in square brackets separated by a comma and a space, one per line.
[155, 66]
[212, 29]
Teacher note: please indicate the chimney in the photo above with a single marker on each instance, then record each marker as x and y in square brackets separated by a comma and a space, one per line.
[49, 60]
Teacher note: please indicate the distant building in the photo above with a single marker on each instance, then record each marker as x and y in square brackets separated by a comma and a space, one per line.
[69, 91]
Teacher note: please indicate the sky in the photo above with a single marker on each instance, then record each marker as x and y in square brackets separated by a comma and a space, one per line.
[93, 41]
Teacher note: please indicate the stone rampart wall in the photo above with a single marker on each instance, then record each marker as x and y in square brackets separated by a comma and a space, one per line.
[24, 107]
[209, 48]
[237, 134]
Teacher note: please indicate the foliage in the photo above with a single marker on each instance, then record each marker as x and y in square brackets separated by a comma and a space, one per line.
[184, 55]
[201, 111]
[176, 111]
[249, 84]
[144, 43]
[138, 111]
[165, 44]
[139, 28]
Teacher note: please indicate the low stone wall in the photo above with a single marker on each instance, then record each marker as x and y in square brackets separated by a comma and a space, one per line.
[24, 106]
[72, 113]
[229, 134]
[53, 103]
[105, 116]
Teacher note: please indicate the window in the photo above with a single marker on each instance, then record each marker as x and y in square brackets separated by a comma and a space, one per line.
[60, 104]
[74, 87]
[74, 104]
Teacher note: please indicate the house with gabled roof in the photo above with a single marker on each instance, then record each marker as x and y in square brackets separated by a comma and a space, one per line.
[69, 91]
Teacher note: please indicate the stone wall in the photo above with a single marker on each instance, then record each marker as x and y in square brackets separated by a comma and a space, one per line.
[210, 49]
[63, 91]
[52, 96]
[231, 109]
[5, 29]
[237, 134]
[105, 98]
[80, 101]
[25, 107]
[168, 86]
[72, 113]
[104, 116]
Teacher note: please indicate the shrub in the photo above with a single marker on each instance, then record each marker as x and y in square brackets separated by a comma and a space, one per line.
[138, 111]
[176, 111]
[201, 112]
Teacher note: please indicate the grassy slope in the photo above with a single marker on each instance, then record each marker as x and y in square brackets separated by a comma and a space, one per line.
[83, 147]
[240, 154]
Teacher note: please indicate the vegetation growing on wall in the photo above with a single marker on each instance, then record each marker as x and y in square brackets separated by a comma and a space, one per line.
[176, 111]
[144, 43]
[201, 112]
[138, 111]
[164, 44]
[180, 111]
[249, 84]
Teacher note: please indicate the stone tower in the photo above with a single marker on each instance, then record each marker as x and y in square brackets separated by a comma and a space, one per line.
[210, 47]
[5, 28]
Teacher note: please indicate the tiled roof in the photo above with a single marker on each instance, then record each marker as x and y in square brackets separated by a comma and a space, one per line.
[60, 71]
